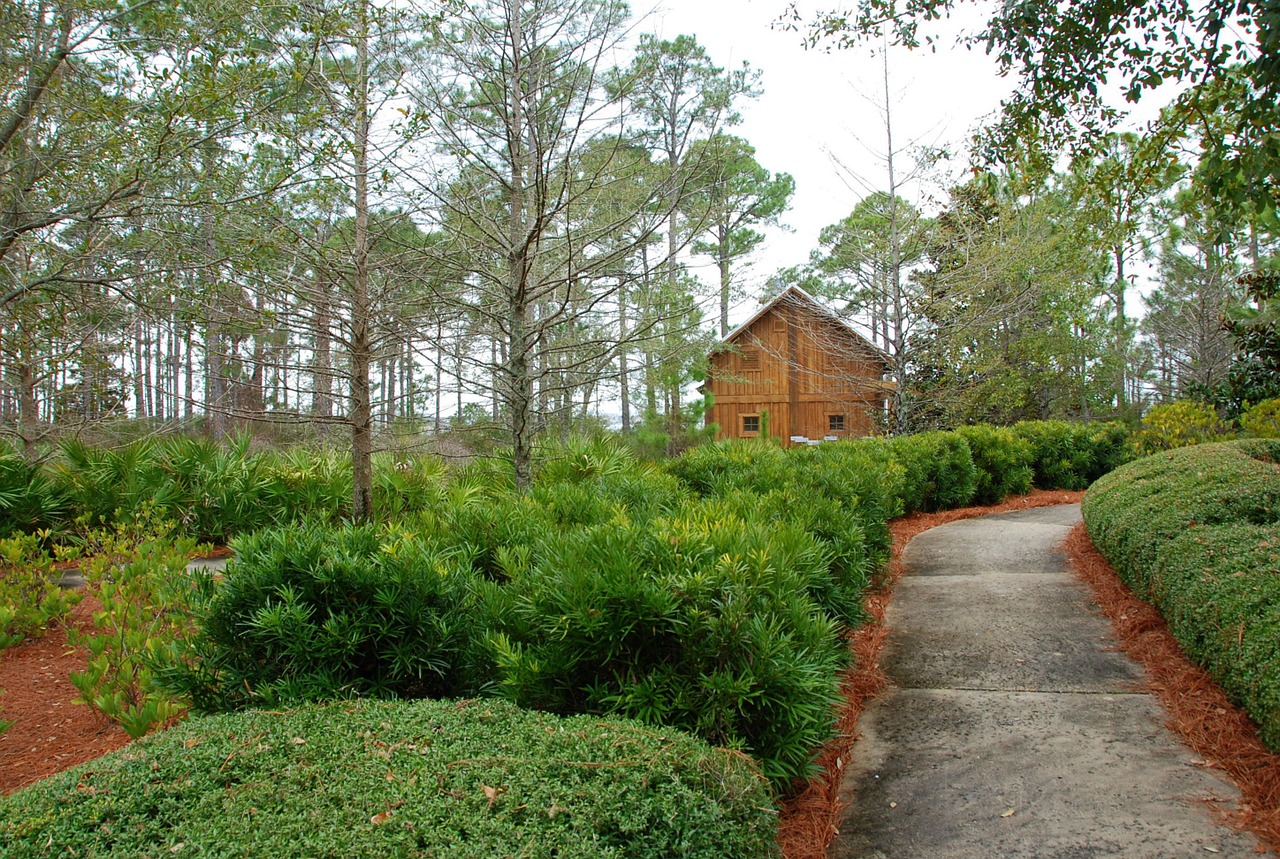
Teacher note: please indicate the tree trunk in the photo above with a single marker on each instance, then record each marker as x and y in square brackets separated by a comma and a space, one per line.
[322, 357]
[28, 411]
[361, 417]
[624, 380]
[215, 364]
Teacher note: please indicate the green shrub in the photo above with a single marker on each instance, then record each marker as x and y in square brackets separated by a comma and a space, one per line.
[452, 778]
[1003, 461]
[703, 623]
[1067, 455]
[1262, 420]
[1179, 424]
[310, 612]
[1196, 532]
[139, 575]
[29, 500]
[938, 471]
[30, 598]
[714, 469]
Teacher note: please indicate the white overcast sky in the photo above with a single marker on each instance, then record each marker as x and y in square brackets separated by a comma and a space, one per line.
[820, 116]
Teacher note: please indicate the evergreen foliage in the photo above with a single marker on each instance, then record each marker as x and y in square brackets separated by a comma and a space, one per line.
[461, 778]
[1195, 532]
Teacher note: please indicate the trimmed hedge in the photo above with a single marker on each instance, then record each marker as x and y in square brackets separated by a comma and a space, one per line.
[938, 470]
[1003, 462]
[1196, 532]
[448, 778]
[1073, 455]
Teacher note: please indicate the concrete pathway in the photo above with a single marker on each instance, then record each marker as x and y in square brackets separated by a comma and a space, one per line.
[73, 579]
[1012, 728]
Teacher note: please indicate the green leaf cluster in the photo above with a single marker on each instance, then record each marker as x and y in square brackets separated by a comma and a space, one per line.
[139, 576]
[1262, 420]
[29, 500]
[462, 778]
[1196, 532]
[30, 598]
[213, 491]
[937, 468]
[1179, 424]
[313, 612]
[1002, 461]
[1069, 455]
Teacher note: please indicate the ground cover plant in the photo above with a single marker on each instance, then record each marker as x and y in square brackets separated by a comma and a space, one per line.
[361, 778]
[1196, 532]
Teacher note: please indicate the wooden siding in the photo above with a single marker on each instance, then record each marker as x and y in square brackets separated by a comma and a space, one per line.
[799, 366]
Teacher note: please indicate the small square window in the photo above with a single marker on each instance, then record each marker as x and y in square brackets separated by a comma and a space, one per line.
[835, 423]
[750, 424]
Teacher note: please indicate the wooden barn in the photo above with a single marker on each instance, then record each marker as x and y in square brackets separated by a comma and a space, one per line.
[796, 372]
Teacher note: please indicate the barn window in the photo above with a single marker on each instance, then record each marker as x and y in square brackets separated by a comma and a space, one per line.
[835, 423]
[751, 359]
[750, 424]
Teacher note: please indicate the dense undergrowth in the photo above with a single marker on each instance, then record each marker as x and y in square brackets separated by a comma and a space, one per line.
[1196, 532]
[709, 596]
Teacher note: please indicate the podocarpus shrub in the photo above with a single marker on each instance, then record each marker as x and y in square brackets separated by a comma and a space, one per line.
[702, 622]
[938, 470]
[466, 779]
[1003, 462]
[312, 612]
[1067, 455]
[860, 477]
[1194, 531]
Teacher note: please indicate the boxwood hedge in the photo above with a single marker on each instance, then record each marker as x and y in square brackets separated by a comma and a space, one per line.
[459, 778]
[1196, 531]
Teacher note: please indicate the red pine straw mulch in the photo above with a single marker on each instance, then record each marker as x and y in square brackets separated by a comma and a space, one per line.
[50, 733]
[811, 820]
[1198, 709]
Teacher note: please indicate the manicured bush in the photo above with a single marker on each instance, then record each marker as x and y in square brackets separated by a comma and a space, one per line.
[1179, 424]
[938, 472]
[1003, 462]
[1262, 420]
[703, 623]
[312, 612]
[360, 778]
[860, 477]
[1067, 455]
[1196, 532]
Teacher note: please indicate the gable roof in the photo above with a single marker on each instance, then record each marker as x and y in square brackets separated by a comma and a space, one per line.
[798, 296]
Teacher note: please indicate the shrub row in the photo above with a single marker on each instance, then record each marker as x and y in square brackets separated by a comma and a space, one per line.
[1196, 532]
[451, 778]
[211, 490]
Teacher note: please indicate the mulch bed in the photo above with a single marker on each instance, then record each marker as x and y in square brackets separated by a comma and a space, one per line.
[50, 732]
